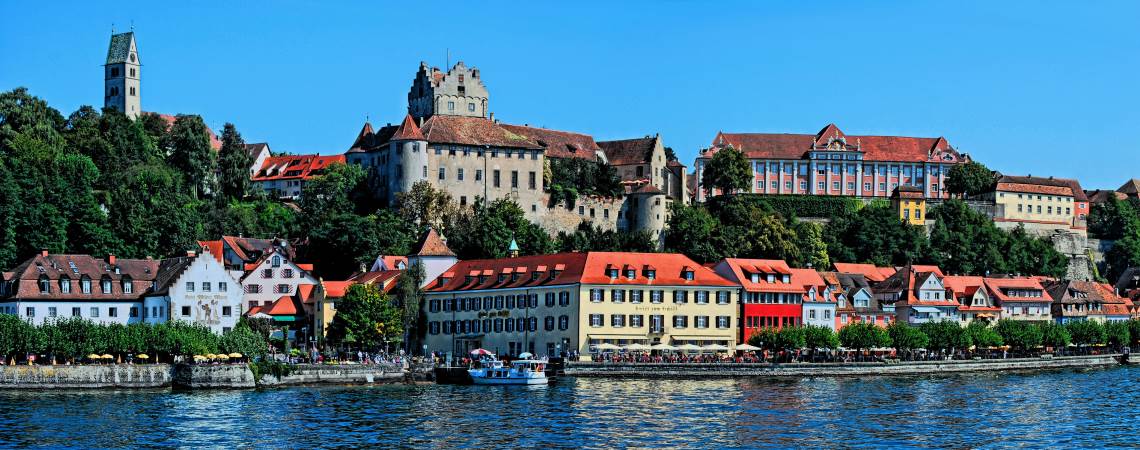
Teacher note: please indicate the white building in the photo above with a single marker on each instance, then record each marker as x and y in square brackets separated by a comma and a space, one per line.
[819, 306]
[47, 287]
[273, 276]
[432, 252]
[195, 289]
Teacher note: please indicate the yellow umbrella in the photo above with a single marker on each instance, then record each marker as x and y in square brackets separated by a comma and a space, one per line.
[199, 358]
[93, 356]
[235, 355]
[106, 356]
[143, 356]
[221, 357]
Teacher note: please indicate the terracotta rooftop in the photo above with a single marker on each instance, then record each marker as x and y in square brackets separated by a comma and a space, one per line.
[431, 244]
[301, 167]
[629, 151]
[408, 131]
[473, 131]
[874, 148]
[25, 277]
[558, 144]
[1035, 185]
[869, 271]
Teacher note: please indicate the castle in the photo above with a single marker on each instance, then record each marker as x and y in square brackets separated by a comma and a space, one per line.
[450, 138]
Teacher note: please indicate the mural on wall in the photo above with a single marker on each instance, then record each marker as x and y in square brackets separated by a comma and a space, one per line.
[209, 308]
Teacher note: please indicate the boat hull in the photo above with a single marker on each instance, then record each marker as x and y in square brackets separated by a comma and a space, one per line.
[509, 381]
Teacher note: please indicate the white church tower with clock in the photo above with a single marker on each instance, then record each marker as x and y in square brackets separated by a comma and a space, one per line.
[121, 75]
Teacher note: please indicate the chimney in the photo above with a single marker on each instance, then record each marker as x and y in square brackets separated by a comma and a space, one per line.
[111, 259]
[44, 252]
[191, 253]
[492, 116]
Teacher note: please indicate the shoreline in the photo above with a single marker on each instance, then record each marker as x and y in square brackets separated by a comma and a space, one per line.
[908, 368]
[183, 377]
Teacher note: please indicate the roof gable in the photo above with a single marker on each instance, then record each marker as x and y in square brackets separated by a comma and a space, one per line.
[432, 244]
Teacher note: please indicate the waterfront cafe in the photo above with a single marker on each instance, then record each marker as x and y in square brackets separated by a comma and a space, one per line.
[581, 305]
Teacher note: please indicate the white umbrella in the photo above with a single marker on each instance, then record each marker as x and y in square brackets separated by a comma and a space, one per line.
[688, 347]
[747, 348]
[637, 347]
[608, 346]
[526, 355]
[716, 348]
[663, 347]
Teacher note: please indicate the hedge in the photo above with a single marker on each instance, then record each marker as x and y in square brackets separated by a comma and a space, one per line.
[799, 205]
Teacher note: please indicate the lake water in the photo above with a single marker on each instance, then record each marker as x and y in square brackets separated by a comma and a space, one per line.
[1073, 409]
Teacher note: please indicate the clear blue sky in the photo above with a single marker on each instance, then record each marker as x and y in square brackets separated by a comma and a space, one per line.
[1047, 88]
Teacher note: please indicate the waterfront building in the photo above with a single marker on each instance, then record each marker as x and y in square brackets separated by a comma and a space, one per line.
[831, 162]
[1041, 205]
[272, 276]
[820, 302]
[974, 300]
[918, 295]
[433, 254]
[770, 295]
[449, 138]
[870, 272]
[284, 177]
[909, 203]
[859, 305]
[1085, 300]
[1020, 298]
[234, 252]
[196, 289]
[48, 286]
[576, 302]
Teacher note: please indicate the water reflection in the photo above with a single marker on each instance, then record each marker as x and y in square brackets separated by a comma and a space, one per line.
[1078, 409]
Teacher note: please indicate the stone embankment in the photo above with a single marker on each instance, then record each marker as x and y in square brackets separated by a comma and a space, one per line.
[639, 370]
[193, 377]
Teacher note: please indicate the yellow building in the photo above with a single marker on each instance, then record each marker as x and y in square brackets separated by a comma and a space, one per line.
[910, 204]
[586, 303]
[1041, 205]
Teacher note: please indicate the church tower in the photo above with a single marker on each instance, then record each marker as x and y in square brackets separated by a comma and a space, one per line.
[121, 75]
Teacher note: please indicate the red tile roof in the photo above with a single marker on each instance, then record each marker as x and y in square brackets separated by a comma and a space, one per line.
[408, 131]
[385, 279]
[742, 270]
[629, 151]
[215, 143]
[54, 267]
[874, 148]
[1036, 185]
[336, 289]
[431, 244]
[284, 306]
[214, 248]
[997, 285]
[301, 167]
[473, 131]
[869, 271]
[559, 144]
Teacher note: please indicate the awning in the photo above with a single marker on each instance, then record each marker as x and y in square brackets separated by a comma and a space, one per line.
[690, 337]
[926, 309]
[617, 336]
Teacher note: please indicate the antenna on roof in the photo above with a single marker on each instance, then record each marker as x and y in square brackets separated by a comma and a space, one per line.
[112, 27]
[132, 24]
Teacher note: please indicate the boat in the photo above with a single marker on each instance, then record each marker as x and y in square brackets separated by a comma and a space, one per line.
[525, 371]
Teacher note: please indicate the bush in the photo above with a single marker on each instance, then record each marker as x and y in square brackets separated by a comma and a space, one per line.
[1022, 336]
[1087, 332]
[862, 336]
[797, 205]
[907, 338]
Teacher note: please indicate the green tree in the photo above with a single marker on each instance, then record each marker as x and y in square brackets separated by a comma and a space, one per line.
[1117, 334]
[258, 217]
[972, 178]
[764, 338]
[366, 319]
[233, 164]
[876, 235]
[790, 338]
[812, 250]
[728, 170]
[946, 336]
[864, 336]
[1108, 220]
[589, 238]
[1125, 252]
[332, 193]
[1087, 332]
[190, 153]
[1053, 335]
[485, 231]
[425, 205]
[964, 240]
[1134, 331]
[690, 232]
[242, 339]
[410, 294]
[983, 336]
[907, 339]
[1021, 336]
[153, 214]
[820, 338]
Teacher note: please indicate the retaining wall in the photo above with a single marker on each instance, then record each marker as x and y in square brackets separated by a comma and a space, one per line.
[590, 369]
[305, 374]
[222, 376]
[85, 377]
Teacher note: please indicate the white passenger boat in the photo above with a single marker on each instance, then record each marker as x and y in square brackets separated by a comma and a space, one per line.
[523, 371]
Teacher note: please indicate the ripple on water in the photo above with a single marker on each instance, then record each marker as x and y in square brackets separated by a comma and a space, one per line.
[1082, 409]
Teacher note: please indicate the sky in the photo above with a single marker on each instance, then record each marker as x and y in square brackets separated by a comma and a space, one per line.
[1041, 88]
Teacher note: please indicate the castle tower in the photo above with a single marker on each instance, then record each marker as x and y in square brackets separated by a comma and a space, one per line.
[409, 149]
[459, 92]
[121, 75]
[651, 206]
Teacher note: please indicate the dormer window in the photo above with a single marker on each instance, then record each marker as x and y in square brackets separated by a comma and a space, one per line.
[468, 279]
[612, 273]
[687, 274]
[85, 284]
[514, 277]
[105, 284]
[128, 285]
[276, 261]
[651, 274]
[501, 278]
[754, 277]
[443, 280]
[554, 274]
[534, 276]
[482, 279]
[787, 278]
[771, 278]
[65, 285]
[45, 284]
[630, 274]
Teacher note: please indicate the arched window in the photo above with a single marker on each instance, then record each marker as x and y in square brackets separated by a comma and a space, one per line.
[45, 284]
[105, 284]
[64, 284]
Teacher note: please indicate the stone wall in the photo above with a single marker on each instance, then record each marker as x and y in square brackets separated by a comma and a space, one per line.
[586, 369]
[85, 377]
[305, 374]
[590, 209]
[222, 376]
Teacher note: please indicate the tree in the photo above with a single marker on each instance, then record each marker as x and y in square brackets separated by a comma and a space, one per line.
[964, 240]
[790, 338]
[242, 339]
[410, 293]
[1117, 334]
[233, 164]
[335, 192]
[864, 336]
[425, 205]
[982, 336]
[876, 235]
[946, 336]
[1134, 331]
[971, 178]
[486, 230]
[764, 338]
[812, 250]
[1021, 336]
[1108, 220]
[819, 337]
[365, 318]
[1125, 252]
[1086, 333]
[257, 217]
[906, 338]
[670, 155]
[153, 214]
[1053, 335]
[690, 232]
[592, 238]
[190, 153]
[728, 170]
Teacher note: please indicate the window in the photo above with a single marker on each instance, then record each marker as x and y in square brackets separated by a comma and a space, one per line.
[132, 91]
[596, 295]
[276, 262]
[459, 174]
[680, 321]
[129, 286]
[451, 106]
[532, 182]
[75, 312]
[267, 273]
[45, 284]
[189, 286]
[596, 320]
[65, 285]
[206, 286]
[811, 314]
[134, 311]
[470, 106]
[617, 320]
[655, 296]
[822, 185]
[549, 298]
[636, 320]
[563, 323]
[635, 296]
[702, 297]
[283, 289]
[680, 297]
[722, 322]
[94, 311]
[112, 312]
[548, 323]
[478, 174]
[722, 297]
[563, 299]
[51, 311]
[509, 326]
[105, 285]
[442, 173]
[30, 311]
[222, 287]
[185, 311]
[514, 179]
[835, 185]
[496, 179]
[701, 321]
[803, 185]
